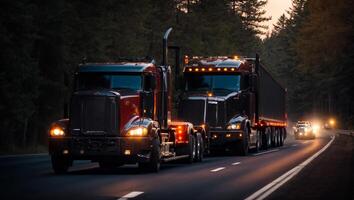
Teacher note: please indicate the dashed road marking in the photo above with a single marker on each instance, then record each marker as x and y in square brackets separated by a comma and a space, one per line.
[217, 169]
[131, 195]
[265, 152]
[274, 185]
[305, 142]
[294, 145]
[236, 163]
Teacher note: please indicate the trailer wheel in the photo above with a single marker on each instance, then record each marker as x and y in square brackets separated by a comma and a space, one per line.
[155, 159]
[281, 137]
[60, 164]
[242, 146]
[259, 140]
[266, 139]
[199, 148]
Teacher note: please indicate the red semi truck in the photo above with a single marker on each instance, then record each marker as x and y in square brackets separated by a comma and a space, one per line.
[121, 113]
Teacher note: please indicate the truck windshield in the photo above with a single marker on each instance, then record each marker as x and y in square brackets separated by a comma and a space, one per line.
[89, 81]
[228, 83]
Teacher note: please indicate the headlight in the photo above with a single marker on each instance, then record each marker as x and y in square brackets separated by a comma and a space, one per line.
[236, 126]
[56, 131]
[137, 132]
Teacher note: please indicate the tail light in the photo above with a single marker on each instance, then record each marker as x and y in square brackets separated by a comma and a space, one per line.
[181, 134]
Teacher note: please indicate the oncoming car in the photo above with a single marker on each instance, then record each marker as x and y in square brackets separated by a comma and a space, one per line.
[304, 130]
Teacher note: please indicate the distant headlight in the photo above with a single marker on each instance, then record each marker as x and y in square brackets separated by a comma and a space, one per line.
[56, 131]
[137, 132]
[236, 126]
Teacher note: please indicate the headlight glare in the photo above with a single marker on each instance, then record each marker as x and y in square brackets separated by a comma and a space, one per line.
[137, 132]
[236, 126]
[56, 131]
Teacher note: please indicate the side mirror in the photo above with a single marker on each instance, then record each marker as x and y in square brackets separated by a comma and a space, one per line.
[149, 82]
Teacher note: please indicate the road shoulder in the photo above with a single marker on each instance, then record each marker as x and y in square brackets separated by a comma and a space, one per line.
[330, 176]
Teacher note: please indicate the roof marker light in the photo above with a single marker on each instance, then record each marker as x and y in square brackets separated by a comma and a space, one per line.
[203, 69]
[219, 69]
[232, 69]
[225, 69]
[210, 69]
[190, 69]
[197, 69]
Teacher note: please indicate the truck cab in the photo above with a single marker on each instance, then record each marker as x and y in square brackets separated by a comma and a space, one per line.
[222, 98]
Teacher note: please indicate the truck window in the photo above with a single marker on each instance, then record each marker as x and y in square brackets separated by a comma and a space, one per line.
[89, 81]
[228, 83]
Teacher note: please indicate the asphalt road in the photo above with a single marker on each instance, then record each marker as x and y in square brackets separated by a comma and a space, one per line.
[219, 177]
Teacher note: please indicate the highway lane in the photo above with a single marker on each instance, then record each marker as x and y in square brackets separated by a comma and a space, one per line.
[222, 177]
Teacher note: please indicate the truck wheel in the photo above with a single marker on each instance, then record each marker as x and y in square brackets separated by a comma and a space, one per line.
[273, 137]
[267, 139]
[199, 148]
[60, 164]
[281, 137]
[242, 146]
[277, 137]
[191, 149]
[153, 165]
[259, 140]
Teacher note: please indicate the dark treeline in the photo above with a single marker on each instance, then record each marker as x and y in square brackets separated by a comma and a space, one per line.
[43, 41]
[310, 50]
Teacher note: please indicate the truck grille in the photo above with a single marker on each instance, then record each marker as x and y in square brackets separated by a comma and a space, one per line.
[94, 115]
[193, 111]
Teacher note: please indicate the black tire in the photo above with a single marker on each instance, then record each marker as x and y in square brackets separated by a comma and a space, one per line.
[277, 137]
[242, 147]
[282, 137]
[191, 150]
[153, 165]
[267, 139]
[60, 164]
[258, 141]
[199, 148]
[273, 137]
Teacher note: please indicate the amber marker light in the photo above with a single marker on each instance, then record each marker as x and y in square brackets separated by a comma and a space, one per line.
[219, 69]
[225, 69]
[196, 69]
[232, 69]
[203, 69]
[56, 132]
[210, 94]
[190, 69]
[210, 69]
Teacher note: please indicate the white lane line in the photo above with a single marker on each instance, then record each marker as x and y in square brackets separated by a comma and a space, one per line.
[305, 142]
[131, 195]
[217, 169]
[274, 185]
[261, 153]
[294, 145]
[236, 163]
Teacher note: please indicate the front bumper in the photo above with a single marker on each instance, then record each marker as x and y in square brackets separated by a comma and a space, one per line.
[220, 138]
[125, 149]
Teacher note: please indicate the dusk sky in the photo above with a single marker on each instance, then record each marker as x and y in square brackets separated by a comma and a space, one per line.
[275, 8]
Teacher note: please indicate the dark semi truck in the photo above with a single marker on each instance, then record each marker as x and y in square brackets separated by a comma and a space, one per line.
[234, 102]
